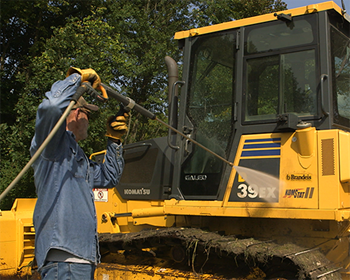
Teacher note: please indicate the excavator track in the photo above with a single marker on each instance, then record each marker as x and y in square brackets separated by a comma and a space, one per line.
[226, 257]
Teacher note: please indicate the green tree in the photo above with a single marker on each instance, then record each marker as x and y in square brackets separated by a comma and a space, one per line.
[25, 25]
[146, 30]
[218, 11]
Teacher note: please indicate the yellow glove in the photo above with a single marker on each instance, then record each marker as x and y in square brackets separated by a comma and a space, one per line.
[88, 75]
[117, 125]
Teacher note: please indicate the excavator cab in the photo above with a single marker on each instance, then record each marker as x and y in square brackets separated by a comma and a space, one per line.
[275, 76]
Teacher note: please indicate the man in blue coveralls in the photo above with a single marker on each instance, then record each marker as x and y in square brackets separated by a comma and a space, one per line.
[66, 241]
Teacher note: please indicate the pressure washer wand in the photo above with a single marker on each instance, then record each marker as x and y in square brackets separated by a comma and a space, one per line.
[131, 104]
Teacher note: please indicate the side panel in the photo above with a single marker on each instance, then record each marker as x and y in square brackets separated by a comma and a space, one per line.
[8, 243]
[275, 155]
[333, 148]
[312, 174]
[148, 169]
[17, 238]
[257, 153]
[299, 171]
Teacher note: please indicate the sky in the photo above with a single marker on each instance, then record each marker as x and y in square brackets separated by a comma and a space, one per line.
[291, 4]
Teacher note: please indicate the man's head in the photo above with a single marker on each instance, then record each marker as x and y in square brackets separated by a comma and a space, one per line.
[78, 119]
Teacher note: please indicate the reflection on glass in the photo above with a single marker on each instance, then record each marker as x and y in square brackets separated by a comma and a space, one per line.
[280, 84]
[341, 76]
[279, 35]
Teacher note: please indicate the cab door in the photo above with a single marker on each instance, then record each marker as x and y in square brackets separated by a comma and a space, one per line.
[208, 114]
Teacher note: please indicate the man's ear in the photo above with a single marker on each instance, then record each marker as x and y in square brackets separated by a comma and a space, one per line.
[76, 113]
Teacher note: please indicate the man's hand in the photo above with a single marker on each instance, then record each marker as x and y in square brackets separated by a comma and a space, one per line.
[117, 125]
[88, 75]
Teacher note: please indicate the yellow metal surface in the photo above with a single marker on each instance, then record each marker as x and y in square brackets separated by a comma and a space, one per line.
[344, 156]
[157, 221]
[328, 165]
[8, 243]
[17, 238]
[112, 203]
[257, 19]
[305, 139]
[148, 213]
[214, 208]
[298, 170]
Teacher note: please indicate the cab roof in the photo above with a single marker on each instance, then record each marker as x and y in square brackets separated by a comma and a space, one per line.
[314, 8]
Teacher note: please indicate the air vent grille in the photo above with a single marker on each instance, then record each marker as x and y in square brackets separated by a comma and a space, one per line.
[327, 151]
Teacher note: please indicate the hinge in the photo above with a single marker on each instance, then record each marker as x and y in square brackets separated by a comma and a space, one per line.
[238, 36]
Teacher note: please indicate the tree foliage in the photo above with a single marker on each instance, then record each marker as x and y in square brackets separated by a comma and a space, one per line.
[214, 12]
[24, 28]
[124, 41]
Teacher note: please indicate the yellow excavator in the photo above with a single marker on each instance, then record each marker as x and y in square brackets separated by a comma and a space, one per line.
[253, 179]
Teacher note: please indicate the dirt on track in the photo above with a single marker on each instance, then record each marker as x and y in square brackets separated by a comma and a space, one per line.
[227, 256]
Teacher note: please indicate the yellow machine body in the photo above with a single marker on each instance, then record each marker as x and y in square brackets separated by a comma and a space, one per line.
[310, 211]
[17, 239]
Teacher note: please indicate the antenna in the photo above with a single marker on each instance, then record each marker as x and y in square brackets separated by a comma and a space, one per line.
[343, 7]
[343, 10]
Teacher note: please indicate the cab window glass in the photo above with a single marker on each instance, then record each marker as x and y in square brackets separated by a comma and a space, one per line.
[279, 34]
[280, 84]
[341, 76]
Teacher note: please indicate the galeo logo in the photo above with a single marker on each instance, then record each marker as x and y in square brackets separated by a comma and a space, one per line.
[196, 177]
[301, 177]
